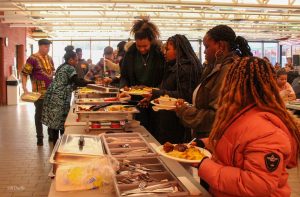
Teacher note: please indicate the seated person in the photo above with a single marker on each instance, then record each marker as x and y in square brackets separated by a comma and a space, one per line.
[286, 91]
[296, 87]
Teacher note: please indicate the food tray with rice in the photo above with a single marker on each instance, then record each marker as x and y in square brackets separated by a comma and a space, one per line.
[91, 93]
[138, 90]
[104, 112]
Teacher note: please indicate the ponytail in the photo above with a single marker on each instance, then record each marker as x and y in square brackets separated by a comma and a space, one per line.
[236, 43]
[242, 47]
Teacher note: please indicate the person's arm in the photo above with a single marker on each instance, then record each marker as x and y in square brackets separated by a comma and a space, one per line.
[26, 70]
[201, 119]
[24, 83]
[261, 171]
[79, 81]
[112, 66]
[195, 118]
[291, 92]
[184, 90]
[124, 79]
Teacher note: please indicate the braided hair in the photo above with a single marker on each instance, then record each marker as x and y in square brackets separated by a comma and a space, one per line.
[250, 77]
[185, 52]
[143, 29]
[236, 43]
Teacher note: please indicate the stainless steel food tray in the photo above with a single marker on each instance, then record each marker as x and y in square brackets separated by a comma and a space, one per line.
[95, 101]
[103, 88]
[103, 114]
[130, 177]
[69, 149]
[122, 145]
[96, 94]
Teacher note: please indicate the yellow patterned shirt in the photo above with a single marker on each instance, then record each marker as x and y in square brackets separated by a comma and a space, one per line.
[40, 69]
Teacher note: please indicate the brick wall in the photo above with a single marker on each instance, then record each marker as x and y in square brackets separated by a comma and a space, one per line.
[16, 36]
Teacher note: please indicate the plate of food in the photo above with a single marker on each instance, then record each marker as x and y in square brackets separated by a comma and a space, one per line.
[165, 102]
[183, 153]
[137, 90]
[30, 96]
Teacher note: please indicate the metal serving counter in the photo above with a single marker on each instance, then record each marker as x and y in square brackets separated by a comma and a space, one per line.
[74, 127]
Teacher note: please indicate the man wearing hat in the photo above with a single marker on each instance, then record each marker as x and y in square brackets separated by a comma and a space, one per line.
[40, 67]
[105, 67]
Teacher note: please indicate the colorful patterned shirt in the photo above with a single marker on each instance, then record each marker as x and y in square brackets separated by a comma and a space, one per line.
[98, 71]
[40, 68]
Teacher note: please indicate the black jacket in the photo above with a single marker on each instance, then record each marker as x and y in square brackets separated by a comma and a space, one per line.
[179, 81]
[128, 77]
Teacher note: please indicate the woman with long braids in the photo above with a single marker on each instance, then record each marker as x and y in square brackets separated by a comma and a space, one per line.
[222, 47]
[58, 96]
[181, 77]
[143, 64]
[254, 138]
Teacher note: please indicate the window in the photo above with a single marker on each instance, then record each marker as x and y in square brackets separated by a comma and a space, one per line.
[85, 46]
[97, 48]
[256, 48]
[270, 51]
[58, 52]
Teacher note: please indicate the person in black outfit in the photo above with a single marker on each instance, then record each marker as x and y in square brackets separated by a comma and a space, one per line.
[82, 66]
[183, 71]
[121, 52]
[143, 64]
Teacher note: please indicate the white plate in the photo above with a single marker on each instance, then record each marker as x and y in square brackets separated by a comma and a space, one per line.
[160, 150]
[167, 107]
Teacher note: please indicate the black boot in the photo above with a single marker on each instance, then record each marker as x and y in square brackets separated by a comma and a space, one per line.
[40, 142]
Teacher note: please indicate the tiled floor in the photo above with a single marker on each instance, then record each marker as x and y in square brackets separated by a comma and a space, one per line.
[24, 167]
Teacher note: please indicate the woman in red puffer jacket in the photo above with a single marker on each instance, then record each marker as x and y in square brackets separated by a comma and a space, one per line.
[254, 139]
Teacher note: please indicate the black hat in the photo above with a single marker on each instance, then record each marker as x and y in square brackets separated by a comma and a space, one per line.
[44, 42]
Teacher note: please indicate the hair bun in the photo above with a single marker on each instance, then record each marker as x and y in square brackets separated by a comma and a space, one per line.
[69, 48]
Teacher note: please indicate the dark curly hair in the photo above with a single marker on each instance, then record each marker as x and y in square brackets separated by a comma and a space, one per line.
[144, 29]
[236, 43]
[70, 53]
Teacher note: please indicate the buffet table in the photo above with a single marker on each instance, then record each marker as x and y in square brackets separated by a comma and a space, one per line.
[72, 126]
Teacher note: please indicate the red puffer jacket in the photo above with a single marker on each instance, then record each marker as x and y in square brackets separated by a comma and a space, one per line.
[251, 157]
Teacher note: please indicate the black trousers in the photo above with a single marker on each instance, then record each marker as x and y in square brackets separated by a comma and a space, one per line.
[55, 134]
[38, 119]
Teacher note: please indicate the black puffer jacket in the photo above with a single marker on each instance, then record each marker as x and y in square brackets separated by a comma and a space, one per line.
[128, 77]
